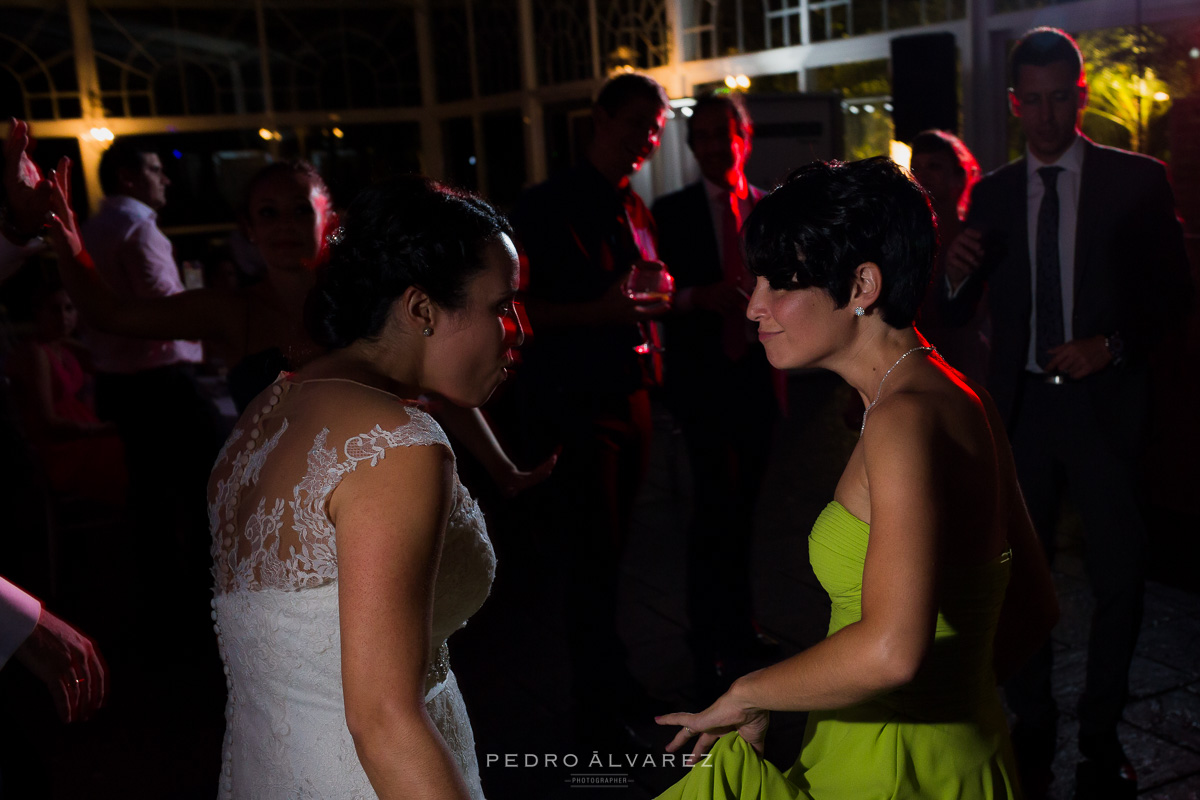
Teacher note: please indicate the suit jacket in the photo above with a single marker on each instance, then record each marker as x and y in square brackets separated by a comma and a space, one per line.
[1131, 274]
[687, 244]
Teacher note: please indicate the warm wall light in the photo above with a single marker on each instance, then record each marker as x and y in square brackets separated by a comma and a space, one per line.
[338, 132]
[1162, 97]
[731, 81]
[900, 153]
[265, 134]
[742, 82]
[101, 134]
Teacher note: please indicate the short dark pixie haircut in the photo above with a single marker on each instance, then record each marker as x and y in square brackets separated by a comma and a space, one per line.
[620, 91]
[121, 154]
[1042, 47]
[410, 231]
[724, 100]
[827, 218]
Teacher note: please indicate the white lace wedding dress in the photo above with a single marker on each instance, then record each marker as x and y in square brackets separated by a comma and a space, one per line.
[276, 593]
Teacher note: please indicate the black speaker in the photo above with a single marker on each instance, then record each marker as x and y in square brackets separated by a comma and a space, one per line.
[924, 84]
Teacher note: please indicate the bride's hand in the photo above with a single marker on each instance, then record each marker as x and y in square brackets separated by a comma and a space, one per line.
[725, 715]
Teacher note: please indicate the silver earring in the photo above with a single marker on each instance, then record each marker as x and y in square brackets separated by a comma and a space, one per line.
[428, 331]
[859, 311]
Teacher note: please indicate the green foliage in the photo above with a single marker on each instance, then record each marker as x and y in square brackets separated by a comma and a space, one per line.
[1132, 75]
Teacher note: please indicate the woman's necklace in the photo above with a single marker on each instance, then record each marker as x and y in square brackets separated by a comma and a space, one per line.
[926, 348]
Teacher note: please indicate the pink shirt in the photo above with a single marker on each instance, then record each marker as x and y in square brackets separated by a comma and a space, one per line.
[136, 259]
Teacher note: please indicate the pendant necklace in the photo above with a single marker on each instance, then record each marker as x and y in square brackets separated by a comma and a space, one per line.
[926, 348]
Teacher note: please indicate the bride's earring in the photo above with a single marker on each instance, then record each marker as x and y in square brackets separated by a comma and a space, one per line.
[859, 311]
[427, 331]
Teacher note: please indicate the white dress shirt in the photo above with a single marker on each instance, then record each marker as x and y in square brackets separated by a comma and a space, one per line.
[1067, 185]
[718, 201]
[19, 615]
[136, 259]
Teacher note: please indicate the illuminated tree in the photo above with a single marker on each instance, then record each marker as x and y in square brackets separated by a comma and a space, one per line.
[1124, 89]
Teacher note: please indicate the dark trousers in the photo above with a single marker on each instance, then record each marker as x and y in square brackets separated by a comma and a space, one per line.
[727, 423]
[1063, 436]
[172, 433]
[581, 518]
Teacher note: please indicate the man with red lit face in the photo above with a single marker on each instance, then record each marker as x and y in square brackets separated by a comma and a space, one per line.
[713, 358]
[582, 387]
[1084, 263]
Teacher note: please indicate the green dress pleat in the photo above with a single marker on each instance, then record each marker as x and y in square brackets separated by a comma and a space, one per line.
[944, 735]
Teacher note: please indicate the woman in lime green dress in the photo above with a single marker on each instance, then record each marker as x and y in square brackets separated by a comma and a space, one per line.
[937, 582]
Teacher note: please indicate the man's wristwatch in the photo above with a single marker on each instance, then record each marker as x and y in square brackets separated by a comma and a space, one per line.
[1115, 345]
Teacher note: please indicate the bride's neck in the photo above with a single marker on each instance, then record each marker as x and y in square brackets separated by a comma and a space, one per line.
[371, 363]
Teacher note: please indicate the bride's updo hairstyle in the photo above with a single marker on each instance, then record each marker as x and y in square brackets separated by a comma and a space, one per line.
[826, 218]
[409, 231]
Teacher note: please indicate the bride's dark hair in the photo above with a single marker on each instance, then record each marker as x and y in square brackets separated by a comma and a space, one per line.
[410, 231]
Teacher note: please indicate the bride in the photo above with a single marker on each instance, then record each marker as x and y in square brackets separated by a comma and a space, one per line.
[345, 549]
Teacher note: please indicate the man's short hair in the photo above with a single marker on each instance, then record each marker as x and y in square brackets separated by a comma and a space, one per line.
[121, 154]
[623, 89]
[1042, 47]
[724, 100]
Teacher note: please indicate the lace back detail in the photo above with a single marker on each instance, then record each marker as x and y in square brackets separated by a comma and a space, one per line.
[276, 608]
[289, 543]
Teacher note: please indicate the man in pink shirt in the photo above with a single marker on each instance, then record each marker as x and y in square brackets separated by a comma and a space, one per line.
[148, 387]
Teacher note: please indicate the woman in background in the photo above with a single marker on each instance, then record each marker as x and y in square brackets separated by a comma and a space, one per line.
[80, 455]
[945, 168]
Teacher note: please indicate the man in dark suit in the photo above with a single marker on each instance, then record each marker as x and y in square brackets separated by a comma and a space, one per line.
[1085, 268]
[718, 383]
[583, 388]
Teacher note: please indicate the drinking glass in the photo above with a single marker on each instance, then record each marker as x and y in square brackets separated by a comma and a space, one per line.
[649, 283]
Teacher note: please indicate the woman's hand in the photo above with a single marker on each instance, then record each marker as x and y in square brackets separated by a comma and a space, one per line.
[64, 228]
[515, 481]
[725, 715]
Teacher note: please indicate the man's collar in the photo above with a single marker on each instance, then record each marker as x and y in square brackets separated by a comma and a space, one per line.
[131, 206]
[717, 192]
[1071, 159]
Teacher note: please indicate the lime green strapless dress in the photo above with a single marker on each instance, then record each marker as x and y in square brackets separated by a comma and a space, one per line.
[943, 735]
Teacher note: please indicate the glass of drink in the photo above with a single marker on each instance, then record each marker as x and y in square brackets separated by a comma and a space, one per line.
[649, 283]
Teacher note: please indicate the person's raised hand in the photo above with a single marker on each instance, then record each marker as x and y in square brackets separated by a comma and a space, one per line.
[64, 227]
[27, 191]
[69, 664]
[964, 256]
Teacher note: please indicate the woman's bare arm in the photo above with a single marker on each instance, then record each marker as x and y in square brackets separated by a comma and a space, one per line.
[390, 521]
[885, 648]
